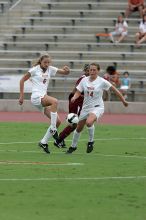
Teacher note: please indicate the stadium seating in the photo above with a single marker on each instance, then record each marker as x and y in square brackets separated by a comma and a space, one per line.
[67, 30]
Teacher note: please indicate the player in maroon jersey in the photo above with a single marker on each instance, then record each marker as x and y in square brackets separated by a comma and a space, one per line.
[73, 108]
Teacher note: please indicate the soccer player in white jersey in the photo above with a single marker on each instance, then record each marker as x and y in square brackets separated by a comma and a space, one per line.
[93, 106]
[40, 74]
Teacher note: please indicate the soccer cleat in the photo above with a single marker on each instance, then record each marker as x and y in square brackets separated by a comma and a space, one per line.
[59, 143]
[44, 147]
[90, 147]
[63, 144]
[70, 150]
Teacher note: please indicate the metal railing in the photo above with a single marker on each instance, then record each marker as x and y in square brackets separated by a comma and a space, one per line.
[13, 13]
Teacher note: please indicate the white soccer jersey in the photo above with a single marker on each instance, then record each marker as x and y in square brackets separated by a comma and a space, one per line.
[40, 80]
[142, 27]
[93, 92]
[121, 26]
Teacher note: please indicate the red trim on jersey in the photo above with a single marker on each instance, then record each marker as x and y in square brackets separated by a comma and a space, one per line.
[79, 80]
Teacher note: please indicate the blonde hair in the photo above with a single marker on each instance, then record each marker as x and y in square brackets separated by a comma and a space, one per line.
[43, 56]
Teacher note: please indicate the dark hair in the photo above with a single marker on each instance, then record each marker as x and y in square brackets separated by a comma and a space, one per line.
[111, 69]
[118, 19]
[126, 72]
[86, 67]
[43, 56]
[95, 64]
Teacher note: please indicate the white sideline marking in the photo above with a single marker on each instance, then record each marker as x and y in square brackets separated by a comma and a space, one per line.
[21, 142]
[126, 156]
[75, 178]
[39, 163]
[23, 151]
[96, 139]
[93, 154]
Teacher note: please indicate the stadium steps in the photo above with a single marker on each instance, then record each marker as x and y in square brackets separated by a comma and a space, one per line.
[84, 4]
[22, 44]
[74, 22]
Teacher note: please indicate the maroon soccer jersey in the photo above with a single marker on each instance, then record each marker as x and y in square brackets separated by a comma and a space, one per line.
[79, 80]
[77, 105]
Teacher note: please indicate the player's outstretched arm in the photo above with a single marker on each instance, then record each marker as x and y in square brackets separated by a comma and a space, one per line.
[23, 79]
[65, 70]
[76, 95]
[117, 92]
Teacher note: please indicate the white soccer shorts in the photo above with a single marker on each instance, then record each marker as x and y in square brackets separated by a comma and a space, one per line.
[97, 111]
[36, 101]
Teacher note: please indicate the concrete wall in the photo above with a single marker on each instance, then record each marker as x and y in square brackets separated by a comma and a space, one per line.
[110, 107]
[118, 108]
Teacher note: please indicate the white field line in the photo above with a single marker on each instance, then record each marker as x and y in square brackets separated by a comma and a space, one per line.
[23, 151]
[39, 163]
[92, 154]
[122, 156]
[19, 142]
[96, 139]
[95, 154]
[76, 178]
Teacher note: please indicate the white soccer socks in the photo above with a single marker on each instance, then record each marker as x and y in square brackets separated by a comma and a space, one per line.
[53, 120]
[47, 136]
[91, 133]
[75, 139]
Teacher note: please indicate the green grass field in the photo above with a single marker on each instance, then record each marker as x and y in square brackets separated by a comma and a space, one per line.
[108, 184]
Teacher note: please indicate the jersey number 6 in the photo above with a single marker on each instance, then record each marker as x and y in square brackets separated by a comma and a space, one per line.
[44, 81]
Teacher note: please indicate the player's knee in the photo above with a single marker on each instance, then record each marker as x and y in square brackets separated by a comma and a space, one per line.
[124, 34]
[47, 112]
[137, 34]
[55, 102]
[140, 7]
[79, 128]
[89, 123]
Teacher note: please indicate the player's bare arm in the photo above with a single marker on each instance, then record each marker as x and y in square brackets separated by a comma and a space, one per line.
[140, 3]
[23, 79]
[76, 95]
[117, 92]
[65, 70]
[74, 90]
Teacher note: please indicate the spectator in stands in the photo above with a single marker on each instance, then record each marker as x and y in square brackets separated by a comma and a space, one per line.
[125, 84]
[121, 30]
[73, 108]
[93, 106]
[113, 77]
[134, 5]
[40, 74]
[141, 35]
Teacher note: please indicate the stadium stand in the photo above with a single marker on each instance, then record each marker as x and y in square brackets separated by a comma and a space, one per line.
[67, 30]
[5, 5]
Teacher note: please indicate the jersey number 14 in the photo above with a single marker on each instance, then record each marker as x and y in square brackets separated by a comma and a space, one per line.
[90, 93]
